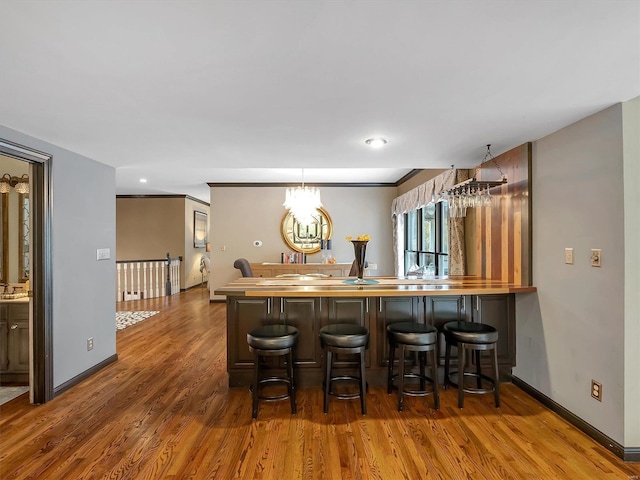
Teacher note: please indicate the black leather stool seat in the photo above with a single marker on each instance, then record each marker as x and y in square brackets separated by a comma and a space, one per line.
[272, 337]
[344, 339]
[412, 333]
[471, 332]
[475, 337]
[420, 338]
[272, 341]
[344, 335]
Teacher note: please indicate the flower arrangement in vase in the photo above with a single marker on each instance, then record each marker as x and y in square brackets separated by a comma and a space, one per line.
[360, 250]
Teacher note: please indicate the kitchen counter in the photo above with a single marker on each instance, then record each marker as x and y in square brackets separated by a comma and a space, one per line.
[309, 303]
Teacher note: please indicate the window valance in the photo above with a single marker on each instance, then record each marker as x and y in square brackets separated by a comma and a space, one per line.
[427, 192]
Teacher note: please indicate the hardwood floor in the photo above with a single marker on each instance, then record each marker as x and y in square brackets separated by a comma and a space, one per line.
[164, 411]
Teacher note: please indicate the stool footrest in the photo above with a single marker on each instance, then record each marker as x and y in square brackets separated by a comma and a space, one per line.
[468, 389]
[345, 378]
[412, 392]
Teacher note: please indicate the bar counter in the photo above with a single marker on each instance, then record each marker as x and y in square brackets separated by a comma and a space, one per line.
[311, 286]
[310, 302]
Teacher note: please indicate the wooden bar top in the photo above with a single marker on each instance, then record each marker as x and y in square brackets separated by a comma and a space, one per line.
[309, 286]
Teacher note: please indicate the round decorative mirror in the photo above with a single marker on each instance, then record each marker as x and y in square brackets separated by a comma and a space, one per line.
[306, 238]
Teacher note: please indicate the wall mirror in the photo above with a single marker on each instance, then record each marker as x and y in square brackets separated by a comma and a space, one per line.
[306, 238]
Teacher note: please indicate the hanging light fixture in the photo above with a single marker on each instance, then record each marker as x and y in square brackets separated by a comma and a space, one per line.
[303, 202]
[21, 184]
[473, 192]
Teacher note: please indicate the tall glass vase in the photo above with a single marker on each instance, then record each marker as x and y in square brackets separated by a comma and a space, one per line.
[360, 250]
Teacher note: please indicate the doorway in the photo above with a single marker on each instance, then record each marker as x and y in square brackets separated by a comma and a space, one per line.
[40, 343]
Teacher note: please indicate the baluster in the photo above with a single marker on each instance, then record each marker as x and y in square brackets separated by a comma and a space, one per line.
[138, 277]
[163, 286]
[118, 291]
[131, 273]
[144, 279]
[124, 275]
[157, 282]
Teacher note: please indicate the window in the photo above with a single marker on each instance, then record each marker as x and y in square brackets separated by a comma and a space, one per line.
[426, 239]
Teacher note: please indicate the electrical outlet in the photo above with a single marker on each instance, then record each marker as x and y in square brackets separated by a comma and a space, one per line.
[596, 257]
[596, 390]
[568, 256]
[89, 344]
[223, 248]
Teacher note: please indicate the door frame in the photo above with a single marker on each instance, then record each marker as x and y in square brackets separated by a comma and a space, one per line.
[41, 279]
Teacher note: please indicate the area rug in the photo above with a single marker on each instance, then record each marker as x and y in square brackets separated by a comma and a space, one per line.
[9, 393]
[126, 319]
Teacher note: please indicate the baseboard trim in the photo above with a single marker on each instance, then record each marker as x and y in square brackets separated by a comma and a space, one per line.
[84, 375]
[217, 300]
[626, 454]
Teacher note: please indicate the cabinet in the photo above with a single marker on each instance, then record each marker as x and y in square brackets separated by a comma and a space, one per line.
[499, 312]
[304, 314]
[350, 310]
[309, 314]
[390, 310]
[14, 342]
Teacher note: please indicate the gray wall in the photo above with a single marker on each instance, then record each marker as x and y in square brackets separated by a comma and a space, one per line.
[631, 152]
[83, 220]
[573, 329]
[240, 215]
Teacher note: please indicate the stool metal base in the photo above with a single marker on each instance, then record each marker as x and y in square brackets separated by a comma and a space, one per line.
[258, 382]
[476, 348]
[329, 379]
[404, 389]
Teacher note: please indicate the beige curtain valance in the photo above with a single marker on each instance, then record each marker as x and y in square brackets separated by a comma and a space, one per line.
[419, 197]
[427, 192]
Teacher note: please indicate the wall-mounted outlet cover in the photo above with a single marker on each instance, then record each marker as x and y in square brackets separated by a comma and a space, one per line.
[596, 390]
[89, 344]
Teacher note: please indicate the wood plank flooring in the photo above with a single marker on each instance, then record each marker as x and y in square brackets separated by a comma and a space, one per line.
[164, 411]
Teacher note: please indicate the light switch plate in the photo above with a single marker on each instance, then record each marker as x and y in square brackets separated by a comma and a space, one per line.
[104, 253]
[568, 256]
[596, 257]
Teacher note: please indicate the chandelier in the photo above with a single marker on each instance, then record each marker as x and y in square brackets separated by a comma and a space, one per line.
[21, 184]
[473, 192]
[303, 202]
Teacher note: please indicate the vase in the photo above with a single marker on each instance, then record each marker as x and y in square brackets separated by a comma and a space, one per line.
[360, 250]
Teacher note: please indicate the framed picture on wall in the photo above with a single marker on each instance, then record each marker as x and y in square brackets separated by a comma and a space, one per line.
[199, 229]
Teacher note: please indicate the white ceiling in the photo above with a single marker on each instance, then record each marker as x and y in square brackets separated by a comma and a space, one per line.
[189, 92]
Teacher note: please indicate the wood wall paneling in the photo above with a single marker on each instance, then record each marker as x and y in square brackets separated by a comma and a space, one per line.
[503, 232]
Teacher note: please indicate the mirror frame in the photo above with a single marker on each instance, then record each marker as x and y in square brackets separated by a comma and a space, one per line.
[288, 224]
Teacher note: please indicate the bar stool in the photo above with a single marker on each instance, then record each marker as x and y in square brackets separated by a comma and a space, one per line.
[415, 337]
[272, 341]
[344, 339]
[475, 337]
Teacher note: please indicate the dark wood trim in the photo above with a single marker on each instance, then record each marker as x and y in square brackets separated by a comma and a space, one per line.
[626, 454]
[188, 197]
[218, 300]
[84, 375]
[41, 270]
[408, 176]
[4, 205]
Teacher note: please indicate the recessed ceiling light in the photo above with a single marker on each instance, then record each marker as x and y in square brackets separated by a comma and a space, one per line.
[143, 180]
[376, 142]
